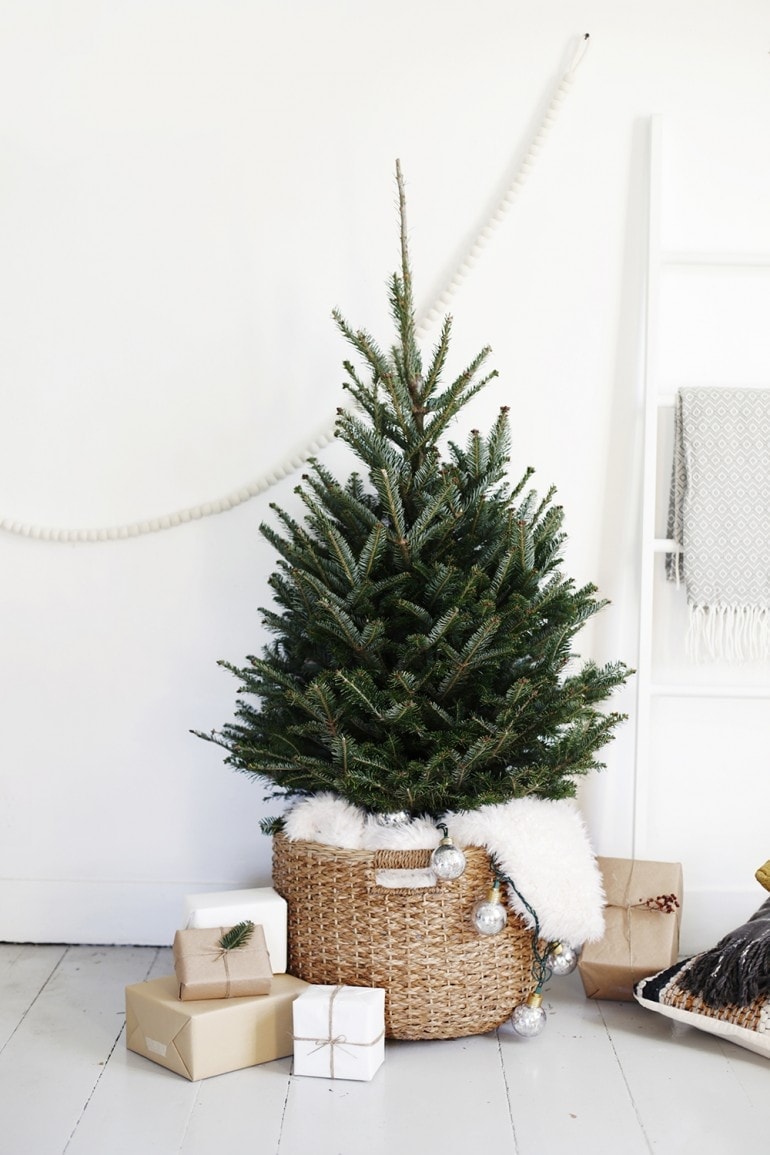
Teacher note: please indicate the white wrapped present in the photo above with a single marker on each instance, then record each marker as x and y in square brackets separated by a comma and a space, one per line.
[339, 1032]
[262, 905]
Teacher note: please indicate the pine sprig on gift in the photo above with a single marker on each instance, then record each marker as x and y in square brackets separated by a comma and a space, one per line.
[422, 626]
[237, 936]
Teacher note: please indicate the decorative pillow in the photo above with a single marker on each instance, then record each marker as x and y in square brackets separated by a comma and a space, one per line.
[725, 990]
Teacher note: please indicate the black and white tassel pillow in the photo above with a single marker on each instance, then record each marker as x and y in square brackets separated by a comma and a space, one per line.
[725, 990]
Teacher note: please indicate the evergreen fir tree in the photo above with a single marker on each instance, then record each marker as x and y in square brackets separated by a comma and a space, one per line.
[422, 652]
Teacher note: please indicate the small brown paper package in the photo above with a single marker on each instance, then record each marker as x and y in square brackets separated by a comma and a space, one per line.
[212, 1036]
[642, 919]
[206, 971]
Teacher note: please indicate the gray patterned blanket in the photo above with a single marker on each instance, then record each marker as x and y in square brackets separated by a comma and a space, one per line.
[719, 514]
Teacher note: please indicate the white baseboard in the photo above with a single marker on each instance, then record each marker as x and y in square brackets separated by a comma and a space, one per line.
[110, 912]
[148, 913]
[707, 915]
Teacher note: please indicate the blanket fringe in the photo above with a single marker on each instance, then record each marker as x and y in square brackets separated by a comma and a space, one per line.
[730, 633]
[737, 970]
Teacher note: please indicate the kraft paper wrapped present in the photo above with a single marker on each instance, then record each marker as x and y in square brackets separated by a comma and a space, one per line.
[262, 905]
[201, 1039]
[207, 971]
[339, 1032]
[642, 919]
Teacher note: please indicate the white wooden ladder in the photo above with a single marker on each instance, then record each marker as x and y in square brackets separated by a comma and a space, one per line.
[648, 687]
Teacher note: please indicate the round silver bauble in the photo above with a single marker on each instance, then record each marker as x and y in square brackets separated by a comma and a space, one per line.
[561, 959]
[392, 818]
[528, 1019]
[489, 916]
[447, 860]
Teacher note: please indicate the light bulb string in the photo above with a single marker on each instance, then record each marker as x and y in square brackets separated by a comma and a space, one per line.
[541, 972]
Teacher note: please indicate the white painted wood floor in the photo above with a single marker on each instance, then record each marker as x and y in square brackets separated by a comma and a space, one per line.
[603, 1079]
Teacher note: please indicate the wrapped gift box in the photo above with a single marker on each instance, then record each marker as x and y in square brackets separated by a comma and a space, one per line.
[339, 1032]
[206, 971]
[205, 1038]
[642, 919]
[262, 905]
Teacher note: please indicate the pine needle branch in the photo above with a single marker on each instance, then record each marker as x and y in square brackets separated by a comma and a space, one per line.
[237, 936]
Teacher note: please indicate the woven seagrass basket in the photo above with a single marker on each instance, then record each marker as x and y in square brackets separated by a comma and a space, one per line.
[442, 979]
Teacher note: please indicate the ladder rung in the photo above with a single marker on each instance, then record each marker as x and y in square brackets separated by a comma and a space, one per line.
[716, 260]
[706, 690]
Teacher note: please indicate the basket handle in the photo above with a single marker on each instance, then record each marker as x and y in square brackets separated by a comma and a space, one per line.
[403, 870]
[405, 878]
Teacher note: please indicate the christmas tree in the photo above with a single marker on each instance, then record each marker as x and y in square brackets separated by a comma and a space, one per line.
[421, 658]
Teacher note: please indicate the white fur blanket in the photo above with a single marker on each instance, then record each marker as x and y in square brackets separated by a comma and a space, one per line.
[541, 845]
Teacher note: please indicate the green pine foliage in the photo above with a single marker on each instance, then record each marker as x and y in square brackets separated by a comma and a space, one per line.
[421, 657]
[237, 936]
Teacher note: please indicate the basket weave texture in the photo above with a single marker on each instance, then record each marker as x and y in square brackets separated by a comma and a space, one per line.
[442, 979]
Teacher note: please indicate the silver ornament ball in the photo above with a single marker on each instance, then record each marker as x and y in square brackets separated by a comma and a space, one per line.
[528, 1019]
[489, 916]
[392, 818]
[447, 860]
[562, 959]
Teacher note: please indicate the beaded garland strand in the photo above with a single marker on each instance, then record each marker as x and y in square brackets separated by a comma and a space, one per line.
[324, 436]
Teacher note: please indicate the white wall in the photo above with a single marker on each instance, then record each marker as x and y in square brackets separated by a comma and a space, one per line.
[186, 191]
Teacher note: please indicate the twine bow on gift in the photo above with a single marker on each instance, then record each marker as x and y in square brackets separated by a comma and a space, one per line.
[232, 939]
[660, 904]
[663, 903]
[221, 962]
[332, 1040]
[228, 981]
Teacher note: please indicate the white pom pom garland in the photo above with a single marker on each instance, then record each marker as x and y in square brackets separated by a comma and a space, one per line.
[325, 436]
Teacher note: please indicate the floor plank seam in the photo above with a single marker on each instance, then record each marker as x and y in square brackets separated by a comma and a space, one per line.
[507, 1091]
[728, 1050]
[97, 1081]
[148, 971]
[642, 1128]
[283, 1114]
[59, 961]
[190, 1114]
[104, 1066]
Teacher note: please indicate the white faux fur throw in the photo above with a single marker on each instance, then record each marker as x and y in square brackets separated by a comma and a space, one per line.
[541, 845]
